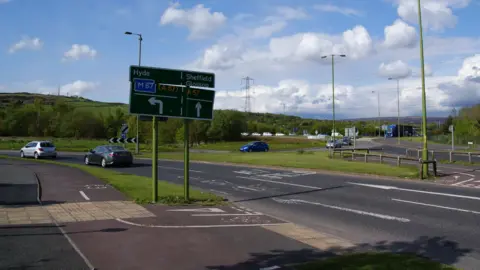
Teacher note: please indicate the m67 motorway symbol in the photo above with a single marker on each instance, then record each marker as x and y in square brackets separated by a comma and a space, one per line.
[144, 85]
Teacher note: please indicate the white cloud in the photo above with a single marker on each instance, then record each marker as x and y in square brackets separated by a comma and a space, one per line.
[356, 43]
[290, 13]
[78, 51]
[199, 20]
[400, 35]
[26, 43]
[4, 1]
[78, 88]
[337, 9]
[436, 14]
[396, 70]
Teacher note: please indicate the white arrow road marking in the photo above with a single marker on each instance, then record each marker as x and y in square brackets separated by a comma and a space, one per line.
[463, 182]
[270, 268]
[202, 210]
[438, 206]
[84, 195]
[198, 106]
[154, 101]
[418, 191]
[280, 183]
[382, 216]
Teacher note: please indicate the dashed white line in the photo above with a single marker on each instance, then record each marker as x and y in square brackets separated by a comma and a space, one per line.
[439, 206]
[224, 215]
[247, 188]
[280, 183]
[418, 191]
[195, 226]
[84, 195]
[271, 267]
[360, 212]
[178, 169]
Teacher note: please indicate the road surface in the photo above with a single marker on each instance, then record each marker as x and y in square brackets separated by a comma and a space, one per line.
[437, 221]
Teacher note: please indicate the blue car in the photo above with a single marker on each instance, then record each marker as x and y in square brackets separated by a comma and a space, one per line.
[255, 147]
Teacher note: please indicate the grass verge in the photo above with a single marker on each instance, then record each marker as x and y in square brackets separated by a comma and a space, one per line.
[375, 261]
[300, 159]
[139, 188]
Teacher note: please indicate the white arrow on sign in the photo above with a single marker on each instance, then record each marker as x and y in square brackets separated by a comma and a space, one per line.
[201, 210]
[198, 106]
[154, 101]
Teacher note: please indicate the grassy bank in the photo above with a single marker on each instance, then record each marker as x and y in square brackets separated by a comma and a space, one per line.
[82, 145]
[307, 160]
[371, 261]
[139, 188]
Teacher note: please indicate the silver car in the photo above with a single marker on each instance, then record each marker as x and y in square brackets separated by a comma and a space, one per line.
[38, 149]
[334, 144]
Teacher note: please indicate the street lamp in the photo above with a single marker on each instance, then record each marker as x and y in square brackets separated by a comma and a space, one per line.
[424, 96]
[333, 87]
[137, 146]
[398, 108]
[379, 119]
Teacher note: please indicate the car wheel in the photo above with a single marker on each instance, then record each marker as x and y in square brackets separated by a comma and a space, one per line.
[249, 150]
[266, 150]
[22, 155]
[35, 155]
[87, 161]
[54, 157]
[104, 163]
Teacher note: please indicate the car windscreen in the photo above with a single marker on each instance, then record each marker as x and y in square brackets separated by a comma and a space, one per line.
[115, 148]
[46, 144]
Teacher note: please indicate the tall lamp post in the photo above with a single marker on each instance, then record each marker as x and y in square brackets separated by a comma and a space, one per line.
[379, 118]
[424, 96]
[137, 146]
[398, 108]
[333, 88]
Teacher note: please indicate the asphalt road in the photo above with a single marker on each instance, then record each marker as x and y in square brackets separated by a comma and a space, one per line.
[441, 152]
[437, 221]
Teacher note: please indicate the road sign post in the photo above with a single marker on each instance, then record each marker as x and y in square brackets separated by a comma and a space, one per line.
[160, 92]
[451, 128]
[154, 160]
[186, 163]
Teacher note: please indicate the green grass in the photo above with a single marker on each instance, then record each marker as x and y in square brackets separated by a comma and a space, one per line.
[75, 145]
[82, 145]
[139, 188]
[300, 159]
[375, 261]
[275, 143]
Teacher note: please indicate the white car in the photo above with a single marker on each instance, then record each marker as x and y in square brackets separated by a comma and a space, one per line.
[38, 149]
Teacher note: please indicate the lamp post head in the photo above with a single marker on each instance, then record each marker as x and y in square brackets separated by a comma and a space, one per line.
[128, 33]
[342, 55]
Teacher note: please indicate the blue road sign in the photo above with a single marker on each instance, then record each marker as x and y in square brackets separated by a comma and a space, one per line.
[124, 136]
[144, 85]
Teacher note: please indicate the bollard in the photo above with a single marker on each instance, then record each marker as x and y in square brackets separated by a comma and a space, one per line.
[451, 156]
[398, 161]
[418, 153]
[469, 157]
[381, 159]
[433, 154]
[406, 152]
[366, 157]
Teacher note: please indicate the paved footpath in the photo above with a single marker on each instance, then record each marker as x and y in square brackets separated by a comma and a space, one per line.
[90, 225]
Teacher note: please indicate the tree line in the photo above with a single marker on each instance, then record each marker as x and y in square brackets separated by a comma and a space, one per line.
[65, 120]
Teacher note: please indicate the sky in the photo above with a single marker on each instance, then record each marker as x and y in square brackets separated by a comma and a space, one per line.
[79, 48]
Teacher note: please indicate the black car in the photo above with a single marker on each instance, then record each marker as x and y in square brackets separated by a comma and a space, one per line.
[107, 155]
[346, 141]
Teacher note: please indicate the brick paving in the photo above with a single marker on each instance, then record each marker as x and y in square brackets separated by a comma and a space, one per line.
[71, 212]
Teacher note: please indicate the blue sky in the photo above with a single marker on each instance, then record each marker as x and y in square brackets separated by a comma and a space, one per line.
[283, 59]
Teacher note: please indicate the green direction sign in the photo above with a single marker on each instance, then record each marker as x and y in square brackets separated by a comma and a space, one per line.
[173, 76]
[171, 101]
[199, 104]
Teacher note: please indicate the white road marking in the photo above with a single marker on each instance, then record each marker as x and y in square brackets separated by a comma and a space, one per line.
[219, 191]
[270, 268]
[223, 215]
[364, 213]
[418, 191]
[196, 226]
[277, 182]
[84, 195]
[439, 206]
[252, 189]
[203, 210]
[178, 169]
[463, 182]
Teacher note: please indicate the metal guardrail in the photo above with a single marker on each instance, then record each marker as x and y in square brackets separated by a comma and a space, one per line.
[451, 154]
